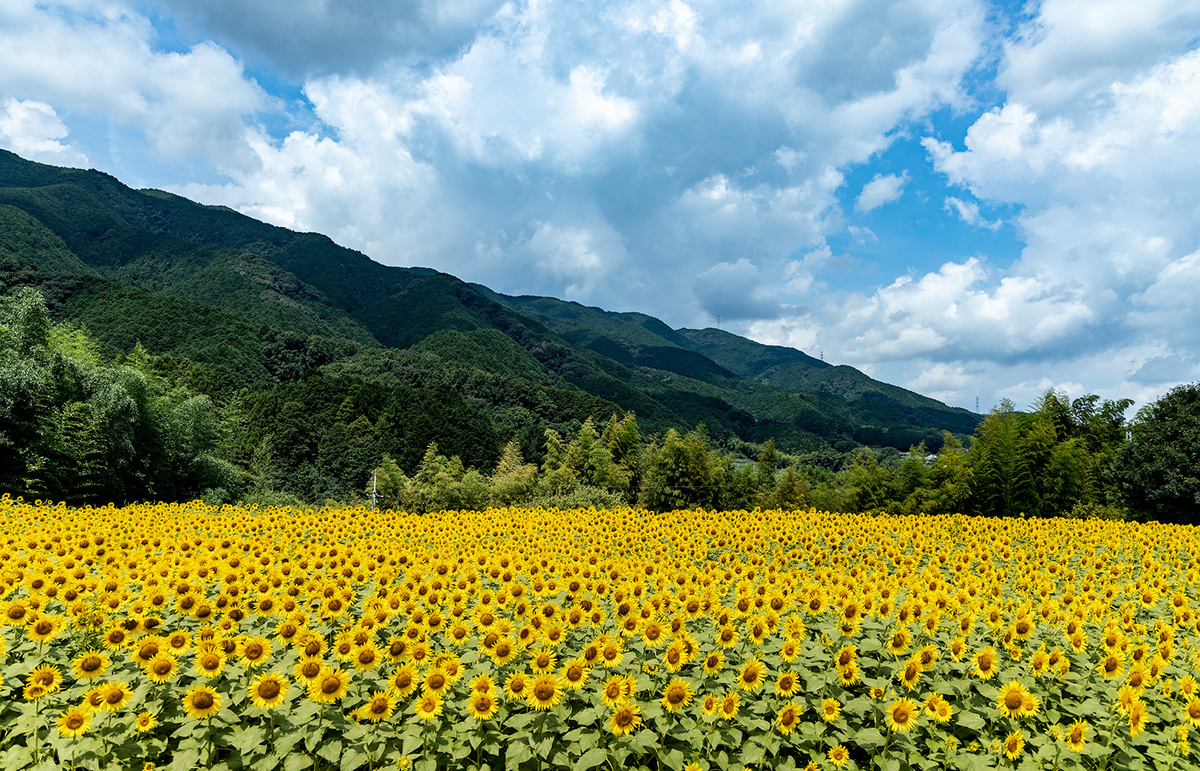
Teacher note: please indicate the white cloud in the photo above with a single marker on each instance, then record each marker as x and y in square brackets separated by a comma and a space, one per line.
[33, 129]
[968, 212]
[97, 59]
[882, 189]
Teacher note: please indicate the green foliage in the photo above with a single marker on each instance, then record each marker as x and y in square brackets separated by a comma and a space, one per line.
[1156, 472]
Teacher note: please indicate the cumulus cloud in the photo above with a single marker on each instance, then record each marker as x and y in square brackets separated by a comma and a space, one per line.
[685, 159]
[968, 212]
[98, 60]
[33, 129]
[882, 189]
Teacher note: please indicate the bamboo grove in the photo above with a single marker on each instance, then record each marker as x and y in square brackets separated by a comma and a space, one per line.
[185, 635]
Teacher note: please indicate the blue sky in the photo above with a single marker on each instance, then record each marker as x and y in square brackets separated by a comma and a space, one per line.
[969, 199]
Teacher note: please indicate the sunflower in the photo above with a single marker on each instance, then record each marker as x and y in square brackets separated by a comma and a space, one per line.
[46, 676]
[830, 709]
[1110, 666]
[676, 695]
[985, 664]
[74, 722]
[625, 719]
[117, 695]
[145, 722]
[838, 755]
[1191, 711]
[902, 714]
[268, 691]
[505, 650]
[730, 705]
[254, 651]
[612, 693]
[787, 684]
[161, 668]
[543, 661]
[1137, 717]
[209, 664]
[675, 656]
[898, 643]
[44, 628]
[849, 675]
[516, 687]
[201, 702]
[544, 692]
[938, 708]
[367, 657]
[379, 707]
[307, 670]
[910, 675]
[481, 705]
[403, 681]
[1012, 699]
[428, 706]
[709, 704]
[788, 717]
[751, 675]
[1014, 743]
[713, 662]
[436, 681]
[329, 686]
[574, 674]
[1076, 735]
[482, 683]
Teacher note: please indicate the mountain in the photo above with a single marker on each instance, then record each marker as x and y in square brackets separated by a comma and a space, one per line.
[251, 305]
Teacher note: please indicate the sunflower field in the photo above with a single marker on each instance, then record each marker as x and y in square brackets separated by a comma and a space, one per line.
[183, 636]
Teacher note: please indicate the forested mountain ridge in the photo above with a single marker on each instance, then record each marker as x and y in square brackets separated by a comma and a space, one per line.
[241, 307]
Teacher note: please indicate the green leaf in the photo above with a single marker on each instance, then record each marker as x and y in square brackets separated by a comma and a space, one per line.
[971, 721]
[672, 758]
[591, 759]
[186, 759]
[330, 749]
[297, 761]
[869, 739]
[248, 739]
[352, 759]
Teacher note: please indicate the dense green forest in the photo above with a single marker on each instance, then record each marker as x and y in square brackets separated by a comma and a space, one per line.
[79, 426]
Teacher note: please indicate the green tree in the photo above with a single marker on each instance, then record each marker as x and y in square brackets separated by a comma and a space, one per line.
[1002, 483]
[1157, 472]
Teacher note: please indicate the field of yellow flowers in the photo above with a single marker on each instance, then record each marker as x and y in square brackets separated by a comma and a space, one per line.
[183, 636]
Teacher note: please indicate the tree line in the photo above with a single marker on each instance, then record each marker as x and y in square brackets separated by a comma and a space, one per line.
[76, 426]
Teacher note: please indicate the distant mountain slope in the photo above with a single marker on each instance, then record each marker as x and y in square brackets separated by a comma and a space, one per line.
[219, 288]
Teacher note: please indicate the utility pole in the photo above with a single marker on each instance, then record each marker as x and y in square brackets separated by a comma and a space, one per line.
[374, 485]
